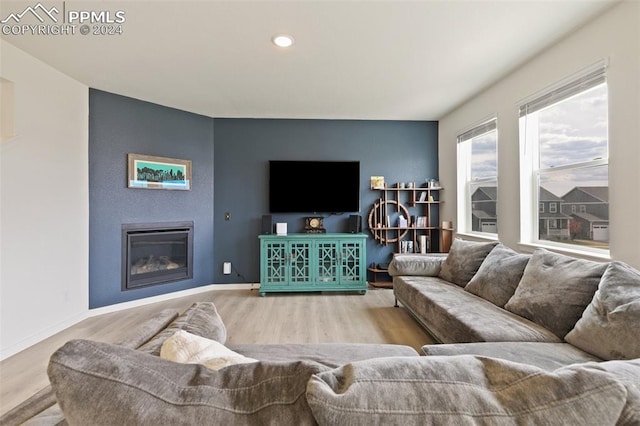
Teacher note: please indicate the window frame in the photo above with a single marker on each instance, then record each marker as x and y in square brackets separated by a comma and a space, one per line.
[530, 170]
[464, 181]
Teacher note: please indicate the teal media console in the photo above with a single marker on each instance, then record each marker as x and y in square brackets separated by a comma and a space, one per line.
[313, 262]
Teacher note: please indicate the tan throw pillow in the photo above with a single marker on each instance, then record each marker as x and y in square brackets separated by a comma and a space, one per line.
[463, 261]
[610, 326]
[499, 275]
[188, 348]
[555, 290]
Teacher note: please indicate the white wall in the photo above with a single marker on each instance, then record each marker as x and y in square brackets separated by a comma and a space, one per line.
[44, 204]
[614, 35]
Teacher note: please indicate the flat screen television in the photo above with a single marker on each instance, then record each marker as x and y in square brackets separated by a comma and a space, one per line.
[314, 186]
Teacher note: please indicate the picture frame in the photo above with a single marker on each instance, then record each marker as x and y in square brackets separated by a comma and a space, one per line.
[152, 172]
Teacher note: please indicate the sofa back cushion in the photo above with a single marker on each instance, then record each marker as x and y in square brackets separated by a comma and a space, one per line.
[201, 319]
[463, 390]
[610, 326]
[499, 275]
[102, 384]
[555, 290]
[463, 261]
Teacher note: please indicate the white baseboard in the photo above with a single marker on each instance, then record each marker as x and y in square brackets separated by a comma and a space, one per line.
[162, 297]
[73, 320]
[41, 335]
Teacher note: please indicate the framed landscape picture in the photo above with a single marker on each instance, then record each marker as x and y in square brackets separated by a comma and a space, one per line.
[150, 172]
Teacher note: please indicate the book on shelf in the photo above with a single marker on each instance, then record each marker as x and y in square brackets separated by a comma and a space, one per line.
[377, 182]
[423, 196]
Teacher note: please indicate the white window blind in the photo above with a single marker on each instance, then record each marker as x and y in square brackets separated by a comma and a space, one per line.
[586, 79]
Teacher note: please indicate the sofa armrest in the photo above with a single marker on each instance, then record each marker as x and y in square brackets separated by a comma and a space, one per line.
[427, 265]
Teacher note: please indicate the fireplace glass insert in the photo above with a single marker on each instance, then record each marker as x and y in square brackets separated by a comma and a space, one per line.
[155, 253]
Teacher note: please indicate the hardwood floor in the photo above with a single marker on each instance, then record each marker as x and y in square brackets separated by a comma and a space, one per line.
[249, 318]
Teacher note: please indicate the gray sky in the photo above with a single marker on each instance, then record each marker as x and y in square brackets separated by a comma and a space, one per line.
[572, 131]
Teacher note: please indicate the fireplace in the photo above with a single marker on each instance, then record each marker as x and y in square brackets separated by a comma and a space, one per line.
[155, 253]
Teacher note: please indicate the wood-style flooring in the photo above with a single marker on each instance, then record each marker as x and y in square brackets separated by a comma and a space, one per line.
[249, 318]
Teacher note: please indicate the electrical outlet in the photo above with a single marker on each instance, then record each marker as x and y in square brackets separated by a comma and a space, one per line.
[226, 268]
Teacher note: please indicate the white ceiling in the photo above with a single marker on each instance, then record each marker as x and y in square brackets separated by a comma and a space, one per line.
[351, 59]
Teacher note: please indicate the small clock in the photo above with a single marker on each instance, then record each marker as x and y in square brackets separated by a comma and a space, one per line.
[314, 225]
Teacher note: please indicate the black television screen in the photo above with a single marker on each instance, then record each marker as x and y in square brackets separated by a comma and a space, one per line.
[314, 186]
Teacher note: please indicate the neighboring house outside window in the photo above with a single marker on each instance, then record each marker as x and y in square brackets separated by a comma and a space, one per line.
[592, 220]
[564, 167]
[478, 179]
[552, 225]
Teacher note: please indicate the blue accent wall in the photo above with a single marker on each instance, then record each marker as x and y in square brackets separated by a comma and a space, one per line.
[117, 126]
[401, 151]
[229, 175]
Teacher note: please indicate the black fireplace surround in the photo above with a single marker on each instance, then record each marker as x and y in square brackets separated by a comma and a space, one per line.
[156, 253]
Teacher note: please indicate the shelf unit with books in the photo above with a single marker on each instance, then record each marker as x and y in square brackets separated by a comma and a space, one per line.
[407, 217]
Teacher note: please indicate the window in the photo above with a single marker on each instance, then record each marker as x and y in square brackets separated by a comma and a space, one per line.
[564, 161]
[478, 178]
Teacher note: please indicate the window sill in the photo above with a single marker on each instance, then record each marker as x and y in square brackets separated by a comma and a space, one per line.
[600, 255]
[478, 236]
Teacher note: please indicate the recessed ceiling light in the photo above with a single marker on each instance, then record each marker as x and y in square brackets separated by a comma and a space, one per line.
[282, 40]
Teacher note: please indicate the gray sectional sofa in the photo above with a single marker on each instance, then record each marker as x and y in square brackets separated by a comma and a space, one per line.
[328, 384]
[511, 356]
[544, 309]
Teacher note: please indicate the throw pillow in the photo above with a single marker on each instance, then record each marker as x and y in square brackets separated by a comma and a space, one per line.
[188, 348]
[463, 261]
[424, 265]
[555, 290]
[102, 384]
[463, 389]
[610, 326]
[499, 275]
[201, 319]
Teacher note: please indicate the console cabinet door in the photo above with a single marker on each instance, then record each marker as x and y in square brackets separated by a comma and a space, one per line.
[351, 261]
[327, 262]
[300, 271]
[275, 263]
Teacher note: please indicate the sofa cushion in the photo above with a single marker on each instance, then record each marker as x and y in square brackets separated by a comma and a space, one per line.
[143, 332]
[628, 374]
[329, 354]
[555, 290]
[201, 319]
[463, 390]
[188, 348]
[548, 356]
[453, 315]
[102, 384]
[463, 261]
[427, 265]
[610, 326]
[499, 275]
